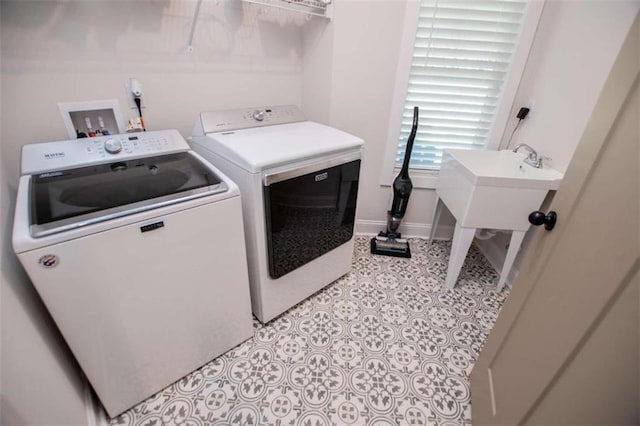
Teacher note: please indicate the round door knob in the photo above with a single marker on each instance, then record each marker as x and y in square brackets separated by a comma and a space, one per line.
[258, 115]
[538, 218]
[112, 146]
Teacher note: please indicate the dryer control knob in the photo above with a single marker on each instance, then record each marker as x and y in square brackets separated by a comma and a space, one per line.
[112, 146]
[258, 115]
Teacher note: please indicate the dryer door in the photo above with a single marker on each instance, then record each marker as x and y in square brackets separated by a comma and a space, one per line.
[309, 211]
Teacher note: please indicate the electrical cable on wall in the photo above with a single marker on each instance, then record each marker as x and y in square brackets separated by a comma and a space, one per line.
[135, 90]
[138, 102]
[513, 132]
[522, 114]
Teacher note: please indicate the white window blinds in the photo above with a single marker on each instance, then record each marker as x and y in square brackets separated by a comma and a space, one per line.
[461, 56]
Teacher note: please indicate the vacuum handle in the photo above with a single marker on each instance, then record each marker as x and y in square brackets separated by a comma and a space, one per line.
[404, 172]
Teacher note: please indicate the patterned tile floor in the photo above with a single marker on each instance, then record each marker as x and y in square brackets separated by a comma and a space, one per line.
[384, 345]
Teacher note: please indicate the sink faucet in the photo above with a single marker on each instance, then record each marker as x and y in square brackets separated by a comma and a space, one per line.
[533, 159]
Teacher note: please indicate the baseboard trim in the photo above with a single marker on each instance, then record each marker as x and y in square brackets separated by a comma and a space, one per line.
[407, 229]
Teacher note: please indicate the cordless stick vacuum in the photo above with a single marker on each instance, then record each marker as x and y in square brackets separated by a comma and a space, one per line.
[391, 243]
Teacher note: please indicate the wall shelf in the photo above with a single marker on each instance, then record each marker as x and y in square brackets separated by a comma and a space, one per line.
[322, 8]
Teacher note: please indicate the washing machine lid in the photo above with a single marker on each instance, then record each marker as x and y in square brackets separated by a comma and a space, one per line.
[256, 149]
[75, 197]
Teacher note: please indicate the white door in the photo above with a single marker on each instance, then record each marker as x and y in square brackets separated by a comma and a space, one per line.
[565, 346]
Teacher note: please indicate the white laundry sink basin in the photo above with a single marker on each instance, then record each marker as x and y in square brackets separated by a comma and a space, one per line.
[502, 168]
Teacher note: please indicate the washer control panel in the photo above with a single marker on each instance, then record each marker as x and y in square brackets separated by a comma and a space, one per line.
[41, 157]
[229, 120]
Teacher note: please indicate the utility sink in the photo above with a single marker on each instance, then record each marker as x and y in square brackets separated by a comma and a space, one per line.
[501, 168]
[489, 189]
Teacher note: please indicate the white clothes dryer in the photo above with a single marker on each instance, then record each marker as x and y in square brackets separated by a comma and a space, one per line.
[299, 185]
[121, 237]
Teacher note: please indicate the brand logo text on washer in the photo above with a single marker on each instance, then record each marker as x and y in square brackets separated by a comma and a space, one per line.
[51, 155]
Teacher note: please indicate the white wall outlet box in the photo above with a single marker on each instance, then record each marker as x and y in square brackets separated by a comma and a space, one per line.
[134, 88]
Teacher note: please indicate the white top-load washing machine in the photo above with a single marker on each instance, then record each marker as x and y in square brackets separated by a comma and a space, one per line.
[136, 245]
[299, 185]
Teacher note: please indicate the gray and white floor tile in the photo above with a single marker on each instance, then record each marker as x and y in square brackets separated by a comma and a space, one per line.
[387, 344]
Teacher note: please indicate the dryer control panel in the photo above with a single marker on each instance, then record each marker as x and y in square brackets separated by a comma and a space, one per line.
[43, 157]
[236, 119]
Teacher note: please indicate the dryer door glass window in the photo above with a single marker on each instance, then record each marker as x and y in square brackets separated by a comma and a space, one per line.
[309, 215]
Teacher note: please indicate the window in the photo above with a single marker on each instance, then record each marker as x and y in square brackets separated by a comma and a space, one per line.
[462, 54]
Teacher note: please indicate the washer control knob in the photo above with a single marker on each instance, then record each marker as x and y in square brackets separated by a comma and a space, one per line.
[258, 115]
[112, 146]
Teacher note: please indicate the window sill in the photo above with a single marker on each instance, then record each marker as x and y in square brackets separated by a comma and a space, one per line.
[421, 179]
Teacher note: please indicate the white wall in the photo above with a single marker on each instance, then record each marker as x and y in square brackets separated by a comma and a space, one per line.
[358, 77]
[40, 382]
[341, 72]
[572, 54]
[575, 47]
[318, 42]
[67, 51]
[59, 51]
